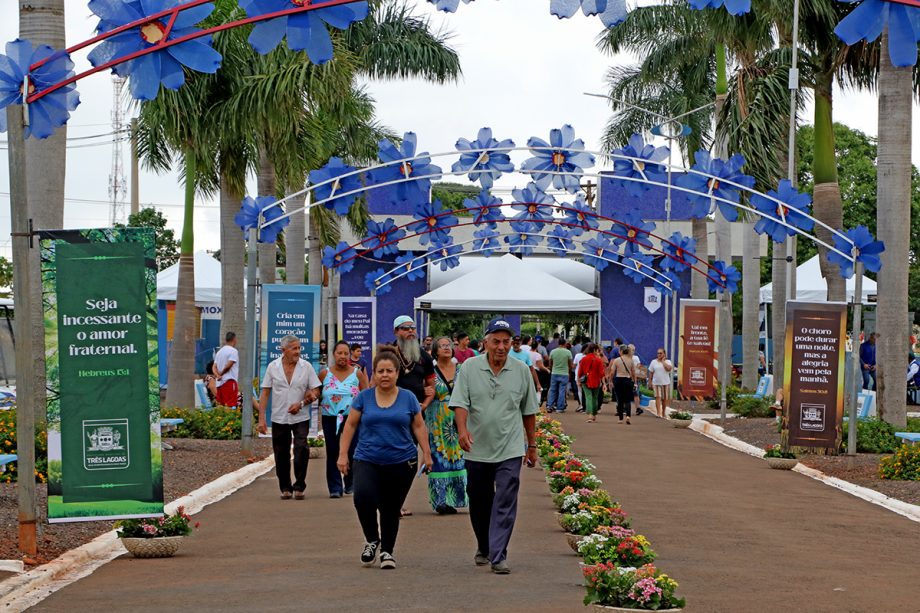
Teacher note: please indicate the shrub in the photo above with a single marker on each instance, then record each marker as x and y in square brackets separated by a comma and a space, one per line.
[219, 423]
[752, 407]
[872, 436]
[731, 395]
[8, 446]
[904, 465]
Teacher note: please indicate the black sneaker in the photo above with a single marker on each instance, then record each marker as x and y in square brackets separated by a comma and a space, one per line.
[369, 555]
[387, 561]
[480, 559]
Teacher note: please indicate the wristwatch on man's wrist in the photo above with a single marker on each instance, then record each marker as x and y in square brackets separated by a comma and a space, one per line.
[531, 446]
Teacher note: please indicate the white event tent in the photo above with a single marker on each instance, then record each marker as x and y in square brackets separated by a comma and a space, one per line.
[207, 280]
[810, 286]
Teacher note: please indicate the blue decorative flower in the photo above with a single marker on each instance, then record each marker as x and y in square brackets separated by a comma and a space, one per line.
[864, 249]
[715, 185]
[611, 12]
[598, 252]
[374, 282]
[580, 216]
[559, 240]
[671, 283]
[340, 258]
[559, 162]
[638, 267]
[486, 241]
[734, 7]
[305, 31]
[484, 166]
[633, 230]
[383, 237]
[434, 223]
[410, 264]
[445, 253]
[248, 217]
[646, 167]
[795, 208]
[399, 165]
[448, 6]
[532, 204]
[680, 253]
[145, 74]
[485, 209]
[53, 110]
[868, 20]
[526, 236]
[727, 275]
[327, 183]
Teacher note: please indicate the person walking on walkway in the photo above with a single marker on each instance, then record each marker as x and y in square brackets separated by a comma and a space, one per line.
[294, 386]
[495, 404]
[640, 373]
[592, 373]
[560, 365]
[227, 370]
[659, 370]
[447, 479]
[341, 383]
[385, 460]
[866, 363]
[623, 372]
[463, 351]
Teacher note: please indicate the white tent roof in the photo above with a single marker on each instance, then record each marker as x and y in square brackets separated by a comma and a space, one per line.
[810, 286]
[207, 280]
[508, 285]
[574, 273]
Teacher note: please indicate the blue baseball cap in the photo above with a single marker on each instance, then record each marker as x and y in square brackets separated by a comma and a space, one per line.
[500, 325]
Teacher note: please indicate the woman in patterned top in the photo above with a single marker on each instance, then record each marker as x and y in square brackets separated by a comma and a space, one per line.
[447, 479]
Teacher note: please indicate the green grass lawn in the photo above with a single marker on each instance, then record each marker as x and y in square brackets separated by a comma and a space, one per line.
[57, 509]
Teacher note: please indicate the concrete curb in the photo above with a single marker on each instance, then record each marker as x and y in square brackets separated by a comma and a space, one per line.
[28, 589]
[905, 509]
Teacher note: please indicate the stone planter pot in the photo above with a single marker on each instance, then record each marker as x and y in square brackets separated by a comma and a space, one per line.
[603, 607]
[573, 540]
[559, 520]
[782, 463]
[160, 547]
[317, 452]
[681, 423]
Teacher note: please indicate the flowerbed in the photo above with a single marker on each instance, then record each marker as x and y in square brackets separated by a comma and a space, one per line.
[618, 567]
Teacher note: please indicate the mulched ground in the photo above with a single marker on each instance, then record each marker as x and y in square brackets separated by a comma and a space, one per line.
[861, 470]
[191, 464]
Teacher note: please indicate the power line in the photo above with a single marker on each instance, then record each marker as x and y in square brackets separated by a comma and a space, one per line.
[143, 204]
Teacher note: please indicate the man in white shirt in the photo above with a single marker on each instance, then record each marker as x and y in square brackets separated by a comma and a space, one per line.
[227, 371]
[294, 386]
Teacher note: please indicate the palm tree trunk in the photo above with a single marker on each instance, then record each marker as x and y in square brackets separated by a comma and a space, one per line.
[314, 252]
[294, 240]
[181, 390]
[232, 262]
[267, 186]
[778, 313]
[828, 206]
[750, 323]
[699, 289]
[723, 226]
[894, 197]
[42, 23]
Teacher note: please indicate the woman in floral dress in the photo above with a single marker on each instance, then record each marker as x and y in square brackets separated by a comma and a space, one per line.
[447, 479]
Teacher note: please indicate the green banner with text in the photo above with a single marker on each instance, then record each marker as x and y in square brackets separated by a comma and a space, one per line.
[99, 295]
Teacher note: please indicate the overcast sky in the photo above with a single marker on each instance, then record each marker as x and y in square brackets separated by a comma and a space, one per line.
[525, 72]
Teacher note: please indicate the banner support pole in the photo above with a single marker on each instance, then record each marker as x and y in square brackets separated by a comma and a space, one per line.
[856, 383]
[249, 360]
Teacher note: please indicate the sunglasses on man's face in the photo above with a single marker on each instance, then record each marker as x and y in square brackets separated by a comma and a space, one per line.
[407, 328]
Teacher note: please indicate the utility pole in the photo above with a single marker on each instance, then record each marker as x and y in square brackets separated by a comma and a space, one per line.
[135, 171]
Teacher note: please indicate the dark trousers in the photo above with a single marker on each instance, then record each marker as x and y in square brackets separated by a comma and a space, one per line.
[624, 389]
[492, 489]
[381, 489]
[281, 445]
[333, 476]
[544, 378]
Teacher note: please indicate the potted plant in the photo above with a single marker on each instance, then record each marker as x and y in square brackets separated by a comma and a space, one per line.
[626, 588]
[558, 480]
[154, 537]
[681, 419]
[588, 519]
[618, 545]
[317, 447]
[779, 459]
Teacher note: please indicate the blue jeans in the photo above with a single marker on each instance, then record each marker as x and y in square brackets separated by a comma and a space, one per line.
[558, 385]
[868, 379]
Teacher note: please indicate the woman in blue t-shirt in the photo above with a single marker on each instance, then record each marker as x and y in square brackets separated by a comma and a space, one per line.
[385, 460]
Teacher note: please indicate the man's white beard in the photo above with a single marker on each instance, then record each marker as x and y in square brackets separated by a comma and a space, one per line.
[410, 349]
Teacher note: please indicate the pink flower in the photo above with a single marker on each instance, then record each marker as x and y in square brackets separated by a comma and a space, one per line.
[150, 529]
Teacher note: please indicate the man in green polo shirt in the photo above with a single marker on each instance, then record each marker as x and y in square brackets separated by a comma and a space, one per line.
[560, 363]
[495, 405]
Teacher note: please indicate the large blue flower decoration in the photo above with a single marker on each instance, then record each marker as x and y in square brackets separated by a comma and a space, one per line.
[580, 216]
[734, 7]
[485, 209]
[864, 249]
[611, 12]
[671, 281]
[415, 175]
[434, 222]
[410, 264]
[559, 162]
[448, 6]
[484, 166]
[532, 203]
[727, 275]
[634, 231]
[305, 31]
[374, 282]
[53, 110]
[646, 167]
[445, 253]
[715, 185]
[794, 206]
[336, 177]
[559, 240]
[680, 252]
[383, 237]
[340, 258]
[248, 217]
[486, 241]
[598, 252]
[868, 20]
[146, 73]
[638, 267]
[526, 236]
